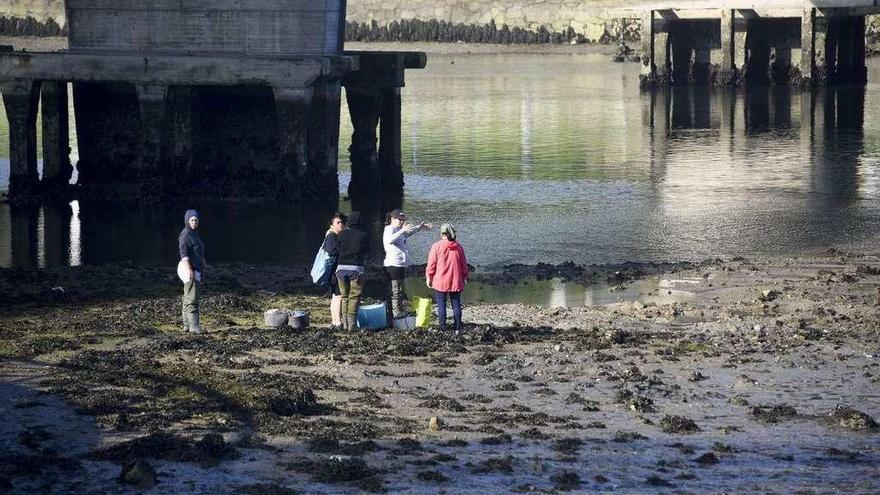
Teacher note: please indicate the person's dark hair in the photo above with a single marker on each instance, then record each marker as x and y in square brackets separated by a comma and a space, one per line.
[340, 216]
[388, 217]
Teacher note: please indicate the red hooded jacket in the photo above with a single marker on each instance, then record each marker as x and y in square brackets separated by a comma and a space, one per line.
[447, 266]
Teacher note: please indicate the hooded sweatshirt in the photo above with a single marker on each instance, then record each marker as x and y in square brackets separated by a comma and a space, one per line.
[447, 266]
[353, 245]
[190, 244]
[396, 248]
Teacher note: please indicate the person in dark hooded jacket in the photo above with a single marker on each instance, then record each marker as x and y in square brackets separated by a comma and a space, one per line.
[192, 257]
[352, 245]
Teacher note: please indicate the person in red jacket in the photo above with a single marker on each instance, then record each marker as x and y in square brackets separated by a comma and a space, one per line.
[446, 273]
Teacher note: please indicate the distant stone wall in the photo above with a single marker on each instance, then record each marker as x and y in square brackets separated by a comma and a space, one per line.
[32, 18]
[487, 21]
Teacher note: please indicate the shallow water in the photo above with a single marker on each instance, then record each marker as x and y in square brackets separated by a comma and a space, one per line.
[550, 293]
[551, 158]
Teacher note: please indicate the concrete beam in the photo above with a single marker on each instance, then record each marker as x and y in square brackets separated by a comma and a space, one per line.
[21, 99]
[383, 69]
[173, 69]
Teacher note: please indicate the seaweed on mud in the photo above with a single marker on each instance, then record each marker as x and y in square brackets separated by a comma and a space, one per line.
[479, 398]
[484, 358]
[502, 465]
[627, 436]
[706, 459]
[35, 465]
[334, 469]
[635, 402]
[334, 446]
[210, 450]
[432, 476]
[455, 442]
[567, 446]
[678, 424]
[505, 387]
[773, 414]
[534, 434]
[264, 489]
[441, 402]
[566, 481]
[497, 440]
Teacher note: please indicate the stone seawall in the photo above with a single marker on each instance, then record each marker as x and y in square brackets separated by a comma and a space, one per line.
[474, 21]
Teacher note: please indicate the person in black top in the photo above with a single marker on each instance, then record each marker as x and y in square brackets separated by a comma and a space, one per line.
[192, 254]
[353, 246]
[331, 246]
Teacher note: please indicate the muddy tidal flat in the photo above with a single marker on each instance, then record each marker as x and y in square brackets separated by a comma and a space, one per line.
[764, 379]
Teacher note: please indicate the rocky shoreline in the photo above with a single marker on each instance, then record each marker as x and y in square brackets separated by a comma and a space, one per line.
[765, 380]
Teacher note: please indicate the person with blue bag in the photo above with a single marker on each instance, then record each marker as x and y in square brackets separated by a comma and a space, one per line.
[353, 245]
[324, 268]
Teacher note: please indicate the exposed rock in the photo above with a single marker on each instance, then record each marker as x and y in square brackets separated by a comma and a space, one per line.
[852, 419]
[678, 424]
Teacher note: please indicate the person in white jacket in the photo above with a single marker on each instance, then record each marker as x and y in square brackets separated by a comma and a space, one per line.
[394, 240]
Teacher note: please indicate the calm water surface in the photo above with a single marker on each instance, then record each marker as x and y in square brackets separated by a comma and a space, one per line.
[551, 158]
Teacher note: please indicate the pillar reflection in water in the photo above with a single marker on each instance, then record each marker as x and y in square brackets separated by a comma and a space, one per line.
[769, 154]
[38, 236]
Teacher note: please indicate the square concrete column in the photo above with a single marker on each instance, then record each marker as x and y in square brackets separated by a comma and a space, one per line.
[293, 106]
[389, 142]
[727, 42]
[655, 50]
[56, 142]
[183, 132]
[364, 106]
[152, 105]
[324, 138]
[21, 99]
[814, 37]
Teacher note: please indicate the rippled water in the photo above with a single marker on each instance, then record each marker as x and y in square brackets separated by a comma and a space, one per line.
[553, 158]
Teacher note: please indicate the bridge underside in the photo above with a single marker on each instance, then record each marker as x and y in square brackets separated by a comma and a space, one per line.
[753, 46]
[153, 126]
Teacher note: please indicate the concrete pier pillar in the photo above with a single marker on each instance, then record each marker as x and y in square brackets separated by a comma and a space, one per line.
[814, 37]
[293, 106]
[324, 138]
[655, 42]
[849, 36]
[364, 106]
[390, 165]
[152, 104]
[56, 142]
[21, 99]
[183, 131]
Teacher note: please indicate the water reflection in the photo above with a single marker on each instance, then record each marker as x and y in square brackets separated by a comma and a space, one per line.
[580, 166]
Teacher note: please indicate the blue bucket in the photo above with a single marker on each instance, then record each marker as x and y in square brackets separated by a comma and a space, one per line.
[373, 316]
